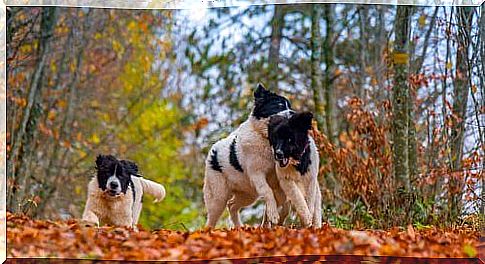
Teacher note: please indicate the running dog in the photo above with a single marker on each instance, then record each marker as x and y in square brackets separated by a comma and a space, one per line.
[297, 164]
[240, 168]
[115, 193]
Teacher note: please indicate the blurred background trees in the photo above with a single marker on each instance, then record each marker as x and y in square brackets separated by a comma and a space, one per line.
[397, 92]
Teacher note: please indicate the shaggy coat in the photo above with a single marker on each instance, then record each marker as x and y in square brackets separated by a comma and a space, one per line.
[240, 168]
[120, 208]
[297, 165]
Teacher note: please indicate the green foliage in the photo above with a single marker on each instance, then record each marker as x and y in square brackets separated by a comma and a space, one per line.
[153, 143]
[153, 138]
[340, 221]
[422, 212]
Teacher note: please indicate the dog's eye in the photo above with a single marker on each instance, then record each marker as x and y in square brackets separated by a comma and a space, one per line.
[289, 140]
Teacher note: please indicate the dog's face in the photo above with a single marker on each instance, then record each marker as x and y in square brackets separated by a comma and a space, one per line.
[289, 136]
[114, 175]
[268, 103]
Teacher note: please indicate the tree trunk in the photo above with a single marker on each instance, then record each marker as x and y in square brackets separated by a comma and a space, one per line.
[328, 54]
[416, 68]
[460, 99]
[47, 24]
[318, 96]
[364, 49]
[482, 82]
[418, 62]
[56, 161]
[274, 50]
[400, 98]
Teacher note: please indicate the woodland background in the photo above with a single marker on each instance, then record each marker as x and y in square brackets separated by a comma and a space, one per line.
[398, 94]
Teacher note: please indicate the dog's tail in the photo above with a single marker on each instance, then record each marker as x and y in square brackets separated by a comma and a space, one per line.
[155, 189]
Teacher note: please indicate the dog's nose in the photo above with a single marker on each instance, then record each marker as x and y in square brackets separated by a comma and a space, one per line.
[113, 185]
[279, 154]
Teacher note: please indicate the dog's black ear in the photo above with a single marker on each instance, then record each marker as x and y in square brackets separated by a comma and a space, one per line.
[260, 91]
[100, 160]
[104, 160]
[302, 121]
[130, 167]
[274, 121]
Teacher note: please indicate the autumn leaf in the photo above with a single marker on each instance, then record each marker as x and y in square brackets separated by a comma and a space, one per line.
[422, 21]
[51, 115]
[201, 123]
[474, 88]
[449, 65]
[470, 251]
[79, 136]
[95, 139]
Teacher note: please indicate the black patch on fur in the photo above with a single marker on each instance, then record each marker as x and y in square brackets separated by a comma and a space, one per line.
[305, 162]
[267, 103]
[233, 156]
[132, 185]
[130, 167]
[214, 162]
[105, 165]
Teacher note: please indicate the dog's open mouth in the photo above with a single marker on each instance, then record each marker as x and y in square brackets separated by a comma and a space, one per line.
[283, 162]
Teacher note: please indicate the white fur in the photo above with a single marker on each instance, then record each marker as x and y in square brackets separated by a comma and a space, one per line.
[241, 189]
[303, 191]
[119, 210]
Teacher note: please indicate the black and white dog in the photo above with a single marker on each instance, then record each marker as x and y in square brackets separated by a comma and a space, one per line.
[240, 168]
[115, 193]
[297, 164]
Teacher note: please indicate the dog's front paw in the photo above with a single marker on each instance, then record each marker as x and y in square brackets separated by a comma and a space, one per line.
[307, 221]
[273, 215]
[86, 223]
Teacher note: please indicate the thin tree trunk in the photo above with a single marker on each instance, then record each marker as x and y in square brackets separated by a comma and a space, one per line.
[274, 50]
[47, 25]
[380, 66]
[400, 98]
[412, 144]
[460, 100]
[418, 63]
[69, 116]
[318, 96]
[329, 72]
[482, 82]
[363, 41]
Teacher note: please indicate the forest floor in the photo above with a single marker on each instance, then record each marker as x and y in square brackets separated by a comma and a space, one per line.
[70, 239]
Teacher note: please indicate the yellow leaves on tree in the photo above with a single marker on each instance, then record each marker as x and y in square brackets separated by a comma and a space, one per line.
[95, 139]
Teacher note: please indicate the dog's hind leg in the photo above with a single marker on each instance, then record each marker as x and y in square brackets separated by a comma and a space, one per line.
[283, 204]
[216, 195]
[237, 202]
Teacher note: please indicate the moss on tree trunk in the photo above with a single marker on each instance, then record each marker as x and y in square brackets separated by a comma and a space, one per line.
[400, 98]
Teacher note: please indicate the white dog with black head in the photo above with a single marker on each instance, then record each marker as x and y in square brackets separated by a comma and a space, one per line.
[240, 168]
[297, 164]
[115, 193]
